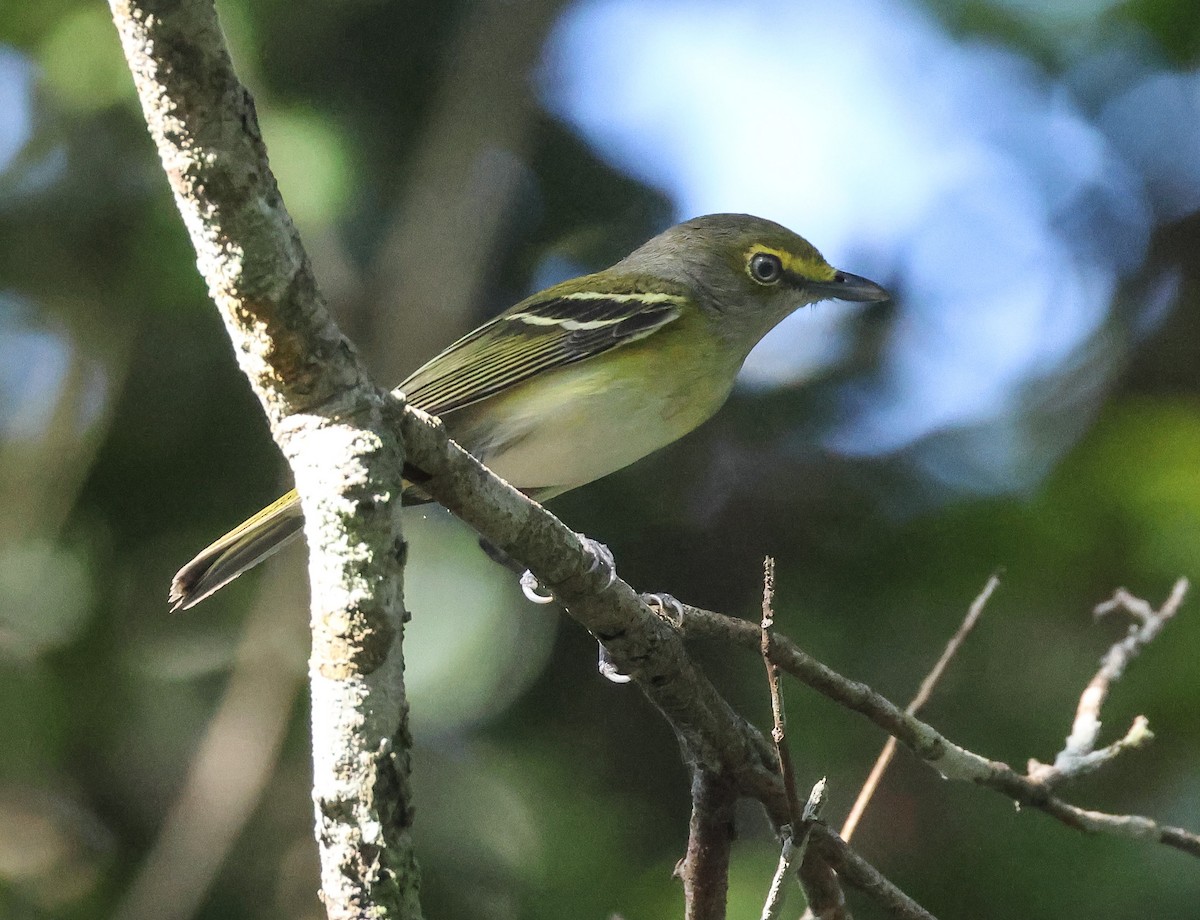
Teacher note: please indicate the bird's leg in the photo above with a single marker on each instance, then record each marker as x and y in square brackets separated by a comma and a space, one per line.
[499, 556]
[600, 560]
[530, 586]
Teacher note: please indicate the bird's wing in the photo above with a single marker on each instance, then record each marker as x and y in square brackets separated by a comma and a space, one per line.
[540, 334]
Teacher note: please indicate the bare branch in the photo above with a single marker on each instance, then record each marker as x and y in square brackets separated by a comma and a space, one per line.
[641, 644]
[328, 420]
[821, 885]
[779, 719]
[949, 759]
[1079, 755]
[923, 694]
[821, 889]
[862, 876]
[774, 902]
[705, 868]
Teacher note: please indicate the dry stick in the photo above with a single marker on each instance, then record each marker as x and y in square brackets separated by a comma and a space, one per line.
[822, 888]
[923, 694]
[778, 729]
[820, 884]
[949, 759]
[860, 874]
[774, 902]
[812, 812]
[1079, 754]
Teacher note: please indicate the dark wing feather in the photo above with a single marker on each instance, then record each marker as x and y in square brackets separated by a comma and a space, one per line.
[533, 337]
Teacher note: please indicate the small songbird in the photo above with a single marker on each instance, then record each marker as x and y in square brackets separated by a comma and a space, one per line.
[590, 375]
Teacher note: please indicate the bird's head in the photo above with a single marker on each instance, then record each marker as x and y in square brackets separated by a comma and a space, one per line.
[748, 272]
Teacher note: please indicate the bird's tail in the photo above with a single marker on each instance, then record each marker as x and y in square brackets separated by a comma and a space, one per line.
[245, 546]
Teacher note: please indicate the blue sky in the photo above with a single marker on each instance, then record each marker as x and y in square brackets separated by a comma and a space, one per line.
[1004, 206]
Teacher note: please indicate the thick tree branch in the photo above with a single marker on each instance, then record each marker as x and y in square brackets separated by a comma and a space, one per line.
[705, 868]
[328, 420]
[713, 736]
[639, 641]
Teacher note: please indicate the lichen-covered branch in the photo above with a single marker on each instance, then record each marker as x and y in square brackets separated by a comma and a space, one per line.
[949, 759]
[327, 418]
[640, 642]
[1080, 754]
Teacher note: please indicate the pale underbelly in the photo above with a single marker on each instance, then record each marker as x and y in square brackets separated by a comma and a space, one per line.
[578, 425]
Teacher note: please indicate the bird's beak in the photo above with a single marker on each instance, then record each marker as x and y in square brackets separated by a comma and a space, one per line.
[846, 286]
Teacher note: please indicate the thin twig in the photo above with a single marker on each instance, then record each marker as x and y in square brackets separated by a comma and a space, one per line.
[818, 881]
[862, 876]
[1079, 754]
[923, 694]
[779, 719]
[951, 760]
[774, 902]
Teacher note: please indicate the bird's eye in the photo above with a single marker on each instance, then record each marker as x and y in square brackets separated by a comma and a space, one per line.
[765, 268]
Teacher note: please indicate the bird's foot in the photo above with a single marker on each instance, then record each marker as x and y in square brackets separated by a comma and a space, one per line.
[602, 560]
[609, 670]
[666, 604]
[532, 589]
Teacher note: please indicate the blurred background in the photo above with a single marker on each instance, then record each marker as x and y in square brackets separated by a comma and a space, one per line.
[1024, 176]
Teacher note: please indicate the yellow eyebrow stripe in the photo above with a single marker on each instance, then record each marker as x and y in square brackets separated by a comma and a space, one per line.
[813, 269]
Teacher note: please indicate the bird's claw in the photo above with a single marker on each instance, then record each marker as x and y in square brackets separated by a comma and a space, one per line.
[666, 604]
[601, 560]
[532, 589]
[608, 668]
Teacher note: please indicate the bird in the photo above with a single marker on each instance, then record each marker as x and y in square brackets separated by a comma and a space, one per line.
[584, 378]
